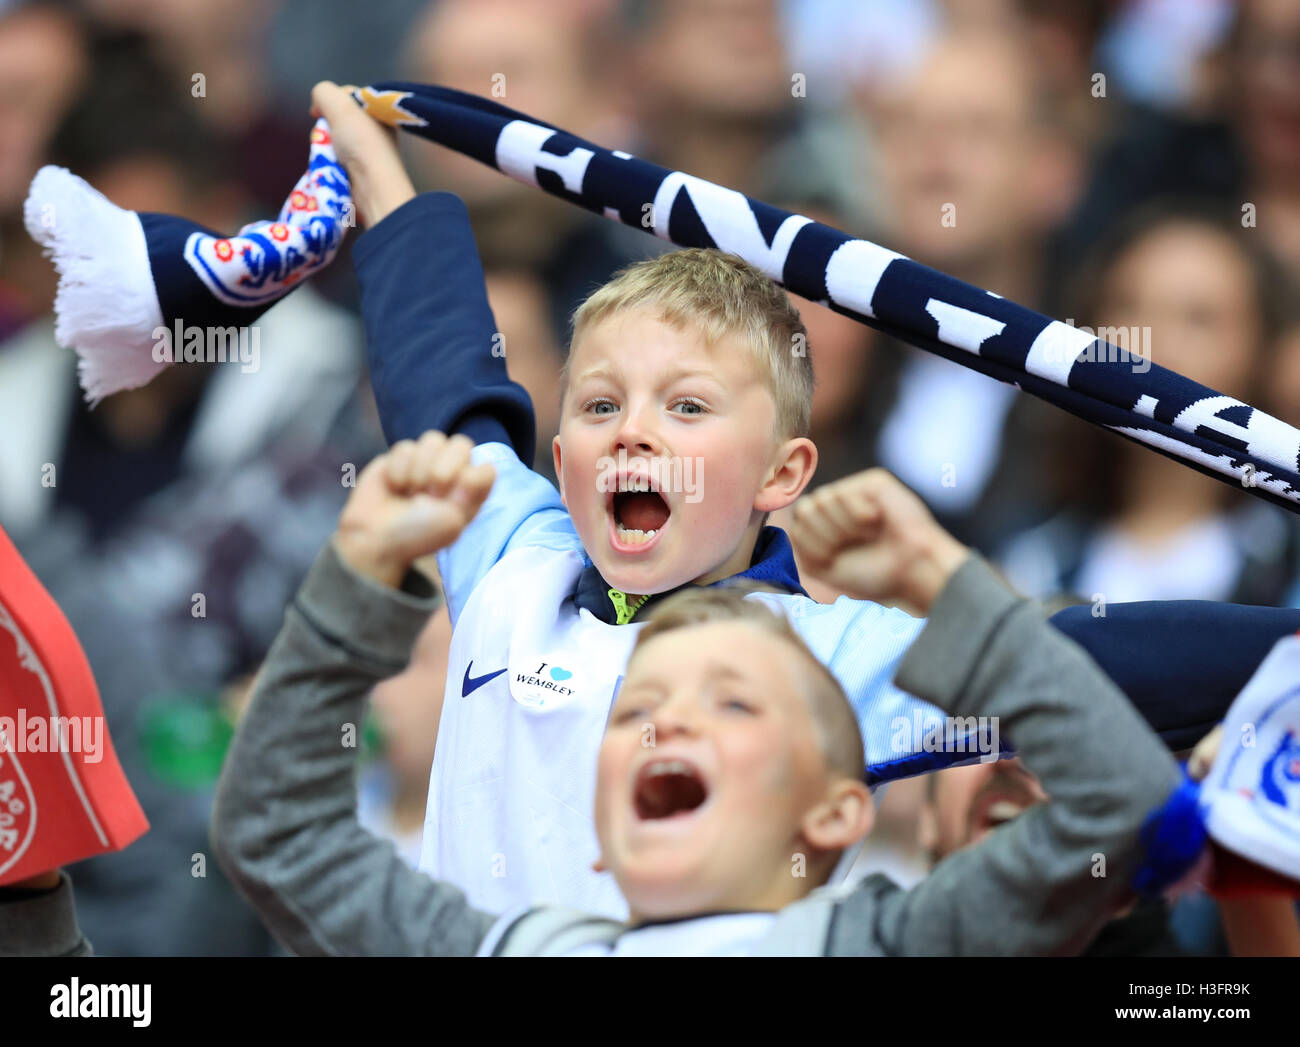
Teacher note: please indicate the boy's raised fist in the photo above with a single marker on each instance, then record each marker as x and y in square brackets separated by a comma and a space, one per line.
[411, 502]
[869, 536]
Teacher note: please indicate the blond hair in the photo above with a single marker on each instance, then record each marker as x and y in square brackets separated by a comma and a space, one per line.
[719, 294]
[837, 726]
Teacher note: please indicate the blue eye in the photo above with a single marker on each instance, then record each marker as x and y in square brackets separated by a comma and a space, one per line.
[738, 705]
[696, 404]
[594, 406]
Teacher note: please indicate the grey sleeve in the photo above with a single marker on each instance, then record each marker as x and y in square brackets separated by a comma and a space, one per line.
[1045, 883]
[41, 923]
[284, 825]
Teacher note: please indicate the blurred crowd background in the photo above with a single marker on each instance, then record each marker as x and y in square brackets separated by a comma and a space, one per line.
[1118, 163]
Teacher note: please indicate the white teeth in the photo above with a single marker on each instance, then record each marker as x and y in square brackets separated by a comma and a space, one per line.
[668, 767]
[634, 536]
[635, 483]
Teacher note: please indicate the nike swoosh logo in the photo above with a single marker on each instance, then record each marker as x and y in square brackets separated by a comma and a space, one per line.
[471, 684]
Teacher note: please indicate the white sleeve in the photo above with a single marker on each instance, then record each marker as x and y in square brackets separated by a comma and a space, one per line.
[522, 509]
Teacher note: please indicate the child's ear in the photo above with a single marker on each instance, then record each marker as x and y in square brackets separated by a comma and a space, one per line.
[842, 819]
[795, 462]
[557, 455]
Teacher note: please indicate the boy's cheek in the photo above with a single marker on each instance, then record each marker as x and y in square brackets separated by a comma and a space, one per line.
[765, 760]
[611, 764]
[580, 485]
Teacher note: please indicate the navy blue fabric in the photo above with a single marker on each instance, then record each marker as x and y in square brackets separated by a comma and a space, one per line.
[181, 294]
[1181, 662]
[430, 332]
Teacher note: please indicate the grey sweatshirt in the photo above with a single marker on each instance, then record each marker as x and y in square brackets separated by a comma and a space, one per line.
[286, 832]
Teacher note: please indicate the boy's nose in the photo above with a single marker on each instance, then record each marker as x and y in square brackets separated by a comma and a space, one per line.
[636, 435]
[677, 716]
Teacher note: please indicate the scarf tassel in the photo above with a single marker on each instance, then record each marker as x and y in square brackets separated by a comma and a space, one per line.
[106, 305]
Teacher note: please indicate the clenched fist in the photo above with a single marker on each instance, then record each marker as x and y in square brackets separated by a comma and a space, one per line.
[411, 502]
[869, 536]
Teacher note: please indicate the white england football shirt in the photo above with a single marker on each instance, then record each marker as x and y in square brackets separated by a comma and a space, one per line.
[530, 682]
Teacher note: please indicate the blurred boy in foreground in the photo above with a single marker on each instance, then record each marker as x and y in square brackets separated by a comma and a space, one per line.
[729, 777]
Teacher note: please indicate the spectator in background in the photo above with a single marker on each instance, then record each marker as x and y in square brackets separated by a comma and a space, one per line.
[217, 55]
[1061, 40]
[533, 355]
[1240, 144]
[158, 158]
[42, 69]
[551, 63]
[711, 87]
[1283, 397]
[351, 43]
[1137, 525]
[975, 174]
[963, 805]
[174, 522]
[1264, 80]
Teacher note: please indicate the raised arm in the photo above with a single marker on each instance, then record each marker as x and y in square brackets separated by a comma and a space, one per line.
[431, 341]
[1046, 882]
[284, 825]
[432, 344]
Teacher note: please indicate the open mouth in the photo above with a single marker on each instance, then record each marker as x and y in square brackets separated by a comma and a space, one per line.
[638, 512]
[668, 789]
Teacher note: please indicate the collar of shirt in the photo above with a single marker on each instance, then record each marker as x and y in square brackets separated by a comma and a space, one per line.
[772, 564]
